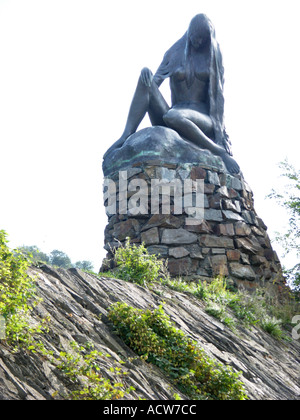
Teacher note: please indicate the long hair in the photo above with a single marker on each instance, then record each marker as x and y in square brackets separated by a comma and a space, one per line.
[200, 24]
[180, 54]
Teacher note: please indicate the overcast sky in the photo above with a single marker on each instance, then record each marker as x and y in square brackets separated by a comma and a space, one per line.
[68, 70]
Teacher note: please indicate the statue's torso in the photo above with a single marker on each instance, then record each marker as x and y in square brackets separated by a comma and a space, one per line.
[198, 91]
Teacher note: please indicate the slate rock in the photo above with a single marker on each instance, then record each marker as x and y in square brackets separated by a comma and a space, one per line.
[178, 252]
[128, 228]
[163, 220]
[150, 237]
[269, 368]
[178, 237]
[250, 244]
[242, 271]
[211, 241]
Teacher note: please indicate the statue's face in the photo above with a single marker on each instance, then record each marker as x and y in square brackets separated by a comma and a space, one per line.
[199, 34]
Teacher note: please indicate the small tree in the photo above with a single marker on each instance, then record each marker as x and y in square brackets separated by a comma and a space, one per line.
[60, 259]
[17, 294]
[290, 200]
[34, 253]
[84, 265]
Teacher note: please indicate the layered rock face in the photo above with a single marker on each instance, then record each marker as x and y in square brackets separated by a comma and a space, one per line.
[184, 206]
[77, 304]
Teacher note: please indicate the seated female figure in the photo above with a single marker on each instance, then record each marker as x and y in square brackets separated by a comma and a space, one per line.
[194, 66]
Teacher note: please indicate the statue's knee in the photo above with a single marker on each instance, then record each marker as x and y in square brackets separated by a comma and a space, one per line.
[171, 117]
[146, 77]
[141, 82]
[166, 118]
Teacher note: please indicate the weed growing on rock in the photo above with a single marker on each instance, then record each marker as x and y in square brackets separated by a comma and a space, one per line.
[136, 265]
[272, 326]
[222, 303]
[18, 296]
[153, 336]
[82, 365]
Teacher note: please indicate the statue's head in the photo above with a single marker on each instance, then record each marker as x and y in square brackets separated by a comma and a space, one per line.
[199, 32]
[198, 37]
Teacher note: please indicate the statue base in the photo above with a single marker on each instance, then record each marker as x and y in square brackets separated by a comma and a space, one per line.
[228, 239]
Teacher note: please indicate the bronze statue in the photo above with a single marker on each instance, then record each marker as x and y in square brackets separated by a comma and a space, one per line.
[194, 66]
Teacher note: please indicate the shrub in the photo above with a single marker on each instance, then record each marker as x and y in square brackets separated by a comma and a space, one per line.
[82, 366]
[17, 294]
[272, 326]
[135, 264]
[289, 199]
[154, 337]
[260, 308]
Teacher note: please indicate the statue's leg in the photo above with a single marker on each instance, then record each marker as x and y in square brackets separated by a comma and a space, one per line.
[138, 109]
[197, 127]
[193, 126]
[158, 106]
[145, 99]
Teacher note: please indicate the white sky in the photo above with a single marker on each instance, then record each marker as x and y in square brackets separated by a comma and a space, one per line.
[68, 70]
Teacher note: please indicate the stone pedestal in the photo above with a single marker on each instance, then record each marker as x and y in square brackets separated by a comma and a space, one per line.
[219, 234]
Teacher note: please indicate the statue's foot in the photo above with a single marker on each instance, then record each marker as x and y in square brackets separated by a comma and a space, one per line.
[231, 164]
[117, 145]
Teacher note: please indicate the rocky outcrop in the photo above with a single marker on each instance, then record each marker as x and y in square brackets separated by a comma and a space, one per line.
[77, 304]
[158, 144]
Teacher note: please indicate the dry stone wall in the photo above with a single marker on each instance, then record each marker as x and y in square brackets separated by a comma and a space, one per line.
[230, 239]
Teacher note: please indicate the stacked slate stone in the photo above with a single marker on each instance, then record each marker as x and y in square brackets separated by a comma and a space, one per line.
[230, 241]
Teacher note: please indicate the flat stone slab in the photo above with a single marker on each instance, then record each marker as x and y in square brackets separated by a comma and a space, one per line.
[162, 145]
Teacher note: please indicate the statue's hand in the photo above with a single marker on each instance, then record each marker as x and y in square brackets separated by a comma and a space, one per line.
[147, 77]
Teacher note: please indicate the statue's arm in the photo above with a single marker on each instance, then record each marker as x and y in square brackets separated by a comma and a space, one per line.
[165, 69]
[147, 76]
[161, 74]
[171, 61]
[158, 79]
